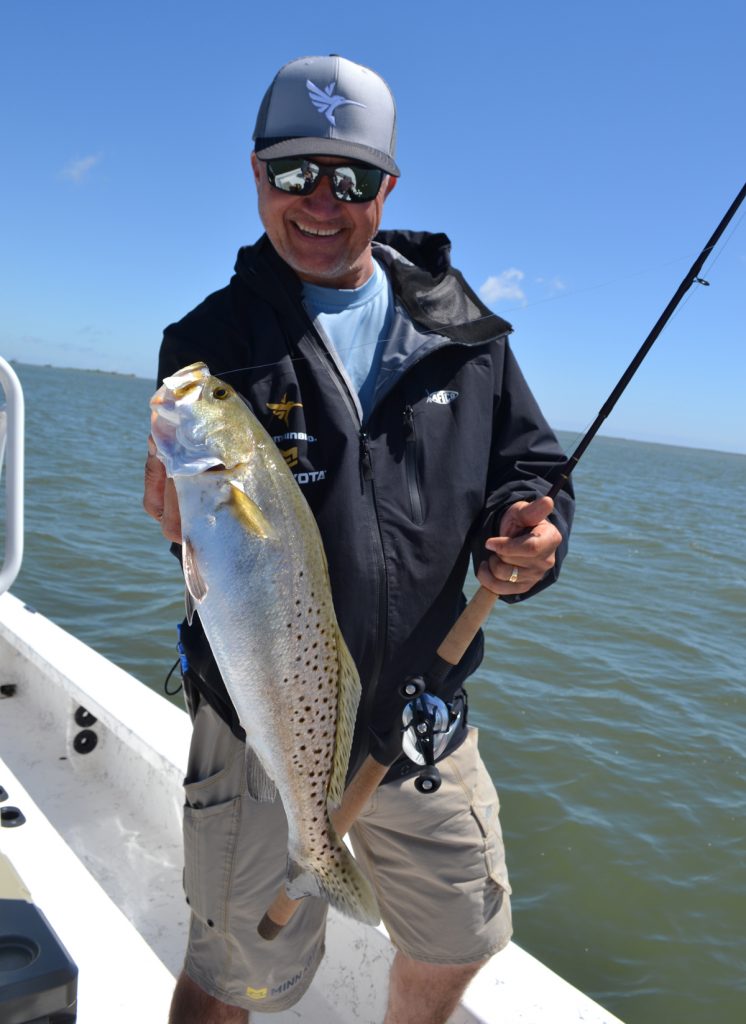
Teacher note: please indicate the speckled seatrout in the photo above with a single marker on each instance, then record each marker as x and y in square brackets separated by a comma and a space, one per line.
[256, 572]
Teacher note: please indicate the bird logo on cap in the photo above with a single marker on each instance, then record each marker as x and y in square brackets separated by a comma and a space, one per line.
[325, 102]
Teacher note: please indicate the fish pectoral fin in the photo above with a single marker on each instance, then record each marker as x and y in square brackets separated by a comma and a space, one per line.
[259, 784]
[190, 606]
[247, 512]
[196, 587]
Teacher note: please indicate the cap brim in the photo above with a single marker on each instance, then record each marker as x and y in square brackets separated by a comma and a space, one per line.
[268, 149]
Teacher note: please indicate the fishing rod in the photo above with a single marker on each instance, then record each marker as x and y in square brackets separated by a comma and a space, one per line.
[428, 721]
[691, 277]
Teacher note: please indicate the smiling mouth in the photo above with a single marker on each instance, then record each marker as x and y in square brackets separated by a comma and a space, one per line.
[311, 232]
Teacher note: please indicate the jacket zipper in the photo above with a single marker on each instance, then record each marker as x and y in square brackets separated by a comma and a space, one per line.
[366, 462]
[367, 484]
[410, 459]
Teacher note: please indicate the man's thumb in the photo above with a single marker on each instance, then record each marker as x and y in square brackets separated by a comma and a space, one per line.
[535, 512]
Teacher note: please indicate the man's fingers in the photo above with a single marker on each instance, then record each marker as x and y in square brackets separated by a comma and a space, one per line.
[159, 498]
[512, 569]
[155, 483]
[170, 517]
[501, 578]
[536, 548]
[524, 552]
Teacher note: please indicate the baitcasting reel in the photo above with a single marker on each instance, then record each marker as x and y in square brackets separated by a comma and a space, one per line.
[427, 726]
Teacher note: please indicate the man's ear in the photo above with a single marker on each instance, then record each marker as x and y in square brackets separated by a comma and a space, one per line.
[390, 185]
[256, 167]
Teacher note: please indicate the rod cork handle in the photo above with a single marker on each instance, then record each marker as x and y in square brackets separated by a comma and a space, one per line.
[467, 625]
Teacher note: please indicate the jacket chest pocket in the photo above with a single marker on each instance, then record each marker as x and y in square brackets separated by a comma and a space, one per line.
[412, 466]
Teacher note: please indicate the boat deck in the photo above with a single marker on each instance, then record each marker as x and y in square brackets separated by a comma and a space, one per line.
[100, 850]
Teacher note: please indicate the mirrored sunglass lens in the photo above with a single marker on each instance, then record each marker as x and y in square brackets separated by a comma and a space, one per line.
[356, 184]
[351, 184]
[292, 175]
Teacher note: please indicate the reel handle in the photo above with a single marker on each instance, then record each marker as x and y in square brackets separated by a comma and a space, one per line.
[429, 780]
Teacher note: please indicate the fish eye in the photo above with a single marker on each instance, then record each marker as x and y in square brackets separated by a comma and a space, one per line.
[220, 392]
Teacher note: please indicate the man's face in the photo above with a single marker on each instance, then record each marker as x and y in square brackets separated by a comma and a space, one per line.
[324, 240]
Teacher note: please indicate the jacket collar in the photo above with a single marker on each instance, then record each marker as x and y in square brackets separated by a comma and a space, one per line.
[433, 292]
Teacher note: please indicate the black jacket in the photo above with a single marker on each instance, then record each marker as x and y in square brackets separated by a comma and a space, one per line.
[404, 499]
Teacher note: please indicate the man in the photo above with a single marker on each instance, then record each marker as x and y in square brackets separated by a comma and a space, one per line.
[392, 392]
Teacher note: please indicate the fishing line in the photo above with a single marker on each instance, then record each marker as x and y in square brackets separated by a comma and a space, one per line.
[509, 309]
[700, 281]
[726, 242]
[562, 473]
[568, 293]
[318, 355]
[696, 280]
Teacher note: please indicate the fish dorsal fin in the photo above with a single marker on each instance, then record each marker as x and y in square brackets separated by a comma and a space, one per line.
[196, 587]
[259, 784]
[348, 700]
[248, 513]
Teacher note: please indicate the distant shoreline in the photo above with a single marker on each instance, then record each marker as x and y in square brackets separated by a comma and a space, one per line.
[571, 435]
[77, 369]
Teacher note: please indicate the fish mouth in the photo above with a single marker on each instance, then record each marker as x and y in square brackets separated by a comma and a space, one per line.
[180, 449]
[193, 373]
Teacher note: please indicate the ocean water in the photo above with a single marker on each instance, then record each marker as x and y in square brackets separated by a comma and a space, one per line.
[612, 708]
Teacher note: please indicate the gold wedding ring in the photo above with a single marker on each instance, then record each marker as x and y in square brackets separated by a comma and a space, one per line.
[513, 578]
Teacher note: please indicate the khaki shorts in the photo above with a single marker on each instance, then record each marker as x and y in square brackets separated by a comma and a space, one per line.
[436, 861]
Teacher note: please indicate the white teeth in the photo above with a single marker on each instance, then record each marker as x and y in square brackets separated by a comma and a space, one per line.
[317, 231]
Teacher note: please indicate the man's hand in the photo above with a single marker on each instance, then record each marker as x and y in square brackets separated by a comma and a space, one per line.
[159, 499]
[524, 551]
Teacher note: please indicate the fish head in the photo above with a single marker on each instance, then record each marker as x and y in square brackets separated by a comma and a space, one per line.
[200, 423]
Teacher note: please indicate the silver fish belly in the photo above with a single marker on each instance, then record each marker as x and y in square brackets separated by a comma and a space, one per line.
[256, 573]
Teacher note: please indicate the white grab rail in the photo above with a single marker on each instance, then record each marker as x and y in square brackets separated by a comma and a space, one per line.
[11, 430]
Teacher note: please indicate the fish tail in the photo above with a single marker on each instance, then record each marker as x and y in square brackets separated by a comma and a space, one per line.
[337, 879]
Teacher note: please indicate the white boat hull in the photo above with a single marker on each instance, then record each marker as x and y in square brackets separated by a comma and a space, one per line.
[100, 850]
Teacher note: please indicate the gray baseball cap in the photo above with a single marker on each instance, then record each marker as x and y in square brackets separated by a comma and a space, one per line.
[328, 106]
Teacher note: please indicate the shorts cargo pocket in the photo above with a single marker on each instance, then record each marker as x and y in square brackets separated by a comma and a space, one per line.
[210, 835]
[485, 809]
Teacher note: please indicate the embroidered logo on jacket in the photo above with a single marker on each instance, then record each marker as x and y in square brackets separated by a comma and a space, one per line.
[326, 102]
[442, 397]
[290, 455]
[311, 476]
[294, 435]
[283, 408]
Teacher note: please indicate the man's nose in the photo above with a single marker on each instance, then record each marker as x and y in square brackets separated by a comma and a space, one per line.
[322, 196]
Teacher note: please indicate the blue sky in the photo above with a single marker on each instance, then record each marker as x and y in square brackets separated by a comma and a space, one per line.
[578, 155]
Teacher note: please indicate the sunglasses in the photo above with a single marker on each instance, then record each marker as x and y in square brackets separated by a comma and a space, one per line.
[350, 183]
